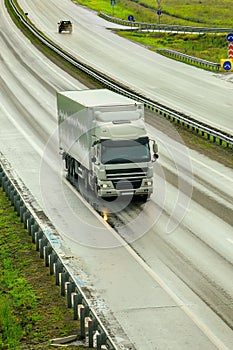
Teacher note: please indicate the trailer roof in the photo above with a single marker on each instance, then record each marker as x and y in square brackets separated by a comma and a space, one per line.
[98, 97]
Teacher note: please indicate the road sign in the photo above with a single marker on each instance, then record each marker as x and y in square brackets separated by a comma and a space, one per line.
[230, 50]
[230, 37]
[226, 65]
[159, 12]
[131, 18]
[113, 2]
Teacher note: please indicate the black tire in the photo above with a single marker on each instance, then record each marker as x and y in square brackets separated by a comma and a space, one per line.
[86, 184]
[96, 189]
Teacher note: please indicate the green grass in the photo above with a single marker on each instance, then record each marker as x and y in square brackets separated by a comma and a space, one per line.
[32, 310]
[206, 46]
[209, 13]
[214, 13]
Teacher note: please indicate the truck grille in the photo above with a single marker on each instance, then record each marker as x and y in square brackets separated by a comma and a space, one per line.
[124, 179]
[126, 173]
[126, 185]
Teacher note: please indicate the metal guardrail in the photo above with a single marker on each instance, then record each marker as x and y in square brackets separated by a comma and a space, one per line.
[139, 26]
[46, 240]
[190, 59]
[200, 128]
[165, 27]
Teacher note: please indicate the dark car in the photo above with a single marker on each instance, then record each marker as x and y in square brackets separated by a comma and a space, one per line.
[65, 26]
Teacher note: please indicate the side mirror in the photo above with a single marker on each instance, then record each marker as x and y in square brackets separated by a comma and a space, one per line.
[155, 147]
[93, 159]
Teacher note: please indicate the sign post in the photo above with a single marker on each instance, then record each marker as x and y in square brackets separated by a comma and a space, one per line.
[230, 45]
[113, 3]
[159, 10]
[131, 19]
[226, 65]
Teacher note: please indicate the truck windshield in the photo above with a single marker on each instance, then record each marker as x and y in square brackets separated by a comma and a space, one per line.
[125, 151]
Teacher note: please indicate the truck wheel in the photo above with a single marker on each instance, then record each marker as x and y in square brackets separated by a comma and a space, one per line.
[66, 161]
[96, 189]
[85, 179]
[144, 198]
[72, 167]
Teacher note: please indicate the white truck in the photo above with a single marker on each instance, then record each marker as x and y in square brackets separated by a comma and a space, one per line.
[104, 143]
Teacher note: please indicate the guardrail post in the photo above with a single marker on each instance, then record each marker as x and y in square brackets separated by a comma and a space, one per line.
[64, 279]
[18, 202]
[42, 244]
[16, 199]
[101, 340]
[4, 179]
[31, 222]
[13, 193]
[92, 327]
[22, 210]
[77, 300]
[38, 236]
[52, 260]
[58, 270]
[18, 205]
[34, 229]
[84, 312]
[8, 184]
[10, 191]
[1, 175]
[82, 323]
[26, 216]
[70, 290]
[47, 252]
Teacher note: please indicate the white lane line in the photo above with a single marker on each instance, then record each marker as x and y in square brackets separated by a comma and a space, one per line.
[199, 323]
[213, 170]
[230, 240]
[209, 334]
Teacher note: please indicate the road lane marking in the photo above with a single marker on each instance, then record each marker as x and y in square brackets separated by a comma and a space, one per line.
[186, 308]
[230, 240]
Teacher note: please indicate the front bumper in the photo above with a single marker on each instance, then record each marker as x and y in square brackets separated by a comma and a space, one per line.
[107, 189]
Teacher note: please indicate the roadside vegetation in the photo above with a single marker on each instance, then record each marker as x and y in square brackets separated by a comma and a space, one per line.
[208, 47]
[32, 311]
[202, 13]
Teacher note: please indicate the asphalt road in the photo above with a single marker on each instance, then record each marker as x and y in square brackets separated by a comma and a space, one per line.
[203, 95]
[171, 286]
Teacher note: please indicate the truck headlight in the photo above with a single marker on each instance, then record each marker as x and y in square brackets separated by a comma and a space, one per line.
[104, 185]
[148, 183]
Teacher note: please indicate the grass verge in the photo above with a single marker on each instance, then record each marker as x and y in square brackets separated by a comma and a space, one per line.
[32, 310]
[202, 13]
[210, 47]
